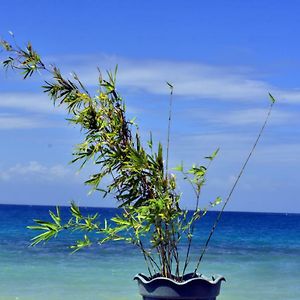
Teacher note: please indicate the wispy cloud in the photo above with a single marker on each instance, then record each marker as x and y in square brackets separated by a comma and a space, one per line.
[254, 116]
[8, 121]
[13, 121]
[190, 79]
[242, 117]
[37, 171]
[233, 149]
[23, 110]
[30, 102]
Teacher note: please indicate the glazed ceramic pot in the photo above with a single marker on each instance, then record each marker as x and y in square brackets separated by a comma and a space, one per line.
[191, 288]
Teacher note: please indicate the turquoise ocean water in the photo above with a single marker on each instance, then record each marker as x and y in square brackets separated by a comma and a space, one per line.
[258, 253]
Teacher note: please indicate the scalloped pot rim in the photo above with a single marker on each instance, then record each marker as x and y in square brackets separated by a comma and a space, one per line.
[145, 280]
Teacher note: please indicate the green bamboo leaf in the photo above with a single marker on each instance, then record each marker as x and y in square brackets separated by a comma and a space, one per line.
[216, 202]
[35, 227]
[214, 154]
[150, 141]
[170, 86]
[55, 218]
[178, 168]
[272, 98]
[81, 244]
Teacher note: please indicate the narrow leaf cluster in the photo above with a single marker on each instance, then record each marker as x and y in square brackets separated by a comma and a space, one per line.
[152, 218]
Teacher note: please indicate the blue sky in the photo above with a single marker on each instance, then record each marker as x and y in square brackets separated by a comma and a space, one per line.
[223, 58]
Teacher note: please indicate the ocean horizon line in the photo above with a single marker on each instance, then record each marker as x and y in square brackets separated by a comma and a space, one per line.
[112, 207]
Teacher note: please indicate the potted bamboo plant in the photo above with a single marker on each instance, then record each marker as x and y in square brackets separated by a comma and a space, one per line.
[138, 175]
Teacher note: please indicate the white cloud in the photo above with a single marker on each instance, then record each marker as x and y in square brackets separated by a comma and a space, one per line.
[190, 79]
[13, 121]
[193, 80]
[242, 117]
[33, 102]
[254, 116]
[234, 149]
[280, 154]
[35, 170]
[8, 121]
[21, 110]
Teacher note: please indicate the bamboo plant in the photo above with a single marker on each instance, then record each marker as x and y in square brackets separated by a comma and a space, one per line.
[138, 175]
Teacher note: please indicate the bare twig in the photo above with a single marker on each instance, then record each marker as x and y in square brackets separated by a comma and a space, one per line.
[234, 185]
[169, 125]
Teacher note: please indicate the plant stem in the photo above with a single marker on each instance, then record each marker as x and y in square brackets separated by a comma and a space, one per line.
[146, 260]
[233, 187]
[169, 126]
[197, 192]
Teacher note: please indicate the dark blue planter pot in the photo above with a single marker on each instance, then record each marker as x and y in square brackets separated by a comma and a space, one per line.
[191, 288]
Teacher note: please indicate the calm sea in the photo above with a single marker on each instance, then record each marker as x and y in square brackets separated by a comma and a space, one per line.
[258, 253]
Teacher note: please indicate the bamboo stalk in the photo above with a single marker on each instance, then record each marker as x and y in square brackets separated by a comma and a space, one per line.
[235, 184]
